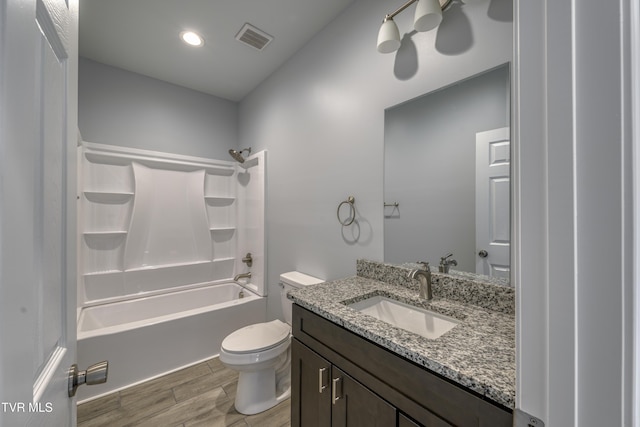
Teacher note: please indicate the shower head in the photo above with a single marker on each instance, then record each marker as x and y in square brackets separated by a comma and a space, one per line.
[237, 155]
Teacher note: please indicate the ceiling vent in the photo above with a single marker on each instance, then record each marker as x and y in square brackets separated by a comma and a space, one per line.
[254, 37]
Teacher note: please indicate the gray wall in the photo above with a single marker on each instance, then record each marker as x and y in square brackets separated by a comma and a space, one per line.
[122, 108]
[321, 116]
[430, 169]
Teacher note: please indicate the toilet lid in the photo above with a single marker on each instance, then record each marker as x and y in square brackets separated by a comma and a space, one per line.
[257, 337]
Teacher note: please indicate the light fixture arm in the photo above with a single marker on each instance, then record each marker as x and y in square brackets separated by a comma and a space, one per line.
[400, 9]
[443, 5]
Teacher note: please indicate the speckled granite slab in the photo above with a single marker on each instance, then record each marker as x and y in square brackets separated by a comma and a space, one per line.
[478, 354]
[482, 291]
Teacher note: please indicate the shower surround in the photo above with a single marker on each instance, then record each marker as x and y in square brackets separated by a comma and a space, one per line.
[153, 226]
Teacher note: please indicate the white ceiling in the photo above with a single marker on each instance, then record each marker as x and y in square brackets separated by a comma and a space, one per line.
[142, 36]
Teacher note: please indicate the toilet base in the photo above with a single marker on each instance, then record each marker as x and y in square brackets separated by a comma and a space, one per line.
[257, 392]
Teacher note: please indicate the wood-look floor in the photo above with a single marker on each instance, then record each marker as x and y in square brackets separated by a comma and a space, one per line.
[201, 395]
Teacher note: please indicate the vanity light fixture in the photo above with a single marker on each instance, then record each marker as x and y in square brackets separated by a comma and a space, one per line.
[428, 16]
[191, 38]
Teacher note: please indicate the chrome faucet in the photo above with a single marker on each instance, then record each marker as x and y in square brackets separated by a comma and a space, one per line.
[242, 276]
[445, 263]
[424, 276]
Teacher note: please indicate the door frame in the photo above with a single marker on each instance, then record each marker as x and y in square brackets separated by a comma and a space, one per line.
[571, 85]
[634, 23]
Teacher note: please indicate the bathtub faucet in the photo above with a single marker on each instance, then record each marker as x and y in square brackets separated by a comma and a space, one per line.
[242, 276]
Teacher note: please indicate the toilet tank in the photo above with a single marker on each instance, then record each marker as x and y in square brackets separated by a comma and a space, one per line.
[293, 280]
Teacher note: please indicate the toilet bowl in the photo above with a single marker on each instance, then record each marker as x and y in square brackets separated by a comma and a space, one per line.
[261, 354]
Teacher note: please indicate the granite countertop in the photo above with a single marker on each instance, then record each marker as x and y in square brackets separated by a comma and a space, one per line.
[478, 354]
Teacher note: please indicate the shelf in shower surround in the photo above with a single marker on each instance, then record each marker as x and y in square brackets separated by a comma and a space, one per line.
[108, 196]
[222, 229]
[166, 161]
[220, 202]
[166, 266]
[101, 273]
[104, 233]
[224, 259]
[221, 198]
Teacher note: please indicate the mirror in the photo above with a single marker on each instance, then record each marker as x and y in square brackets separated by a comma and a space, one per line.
[446, 176]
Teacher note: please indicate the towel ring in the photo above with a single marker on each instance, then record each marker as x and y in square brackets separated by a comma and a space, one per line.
[352, 212]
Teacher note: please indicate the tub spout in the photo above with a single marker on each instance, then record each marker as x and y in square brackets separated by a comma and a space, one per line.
[242, 276]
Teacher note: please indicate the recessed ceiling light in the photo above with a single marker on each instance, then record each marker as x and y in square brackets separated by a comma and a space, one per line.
[191, 38]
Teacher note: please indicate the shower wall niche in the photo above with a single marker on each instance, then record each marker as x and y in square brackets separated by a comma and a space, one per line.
[155, 222]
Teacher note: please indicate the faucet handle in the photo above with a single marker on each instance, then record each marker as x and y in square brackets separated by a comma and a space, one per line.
[443, 259]
[248, 259]
[445, 262]
[424, 264]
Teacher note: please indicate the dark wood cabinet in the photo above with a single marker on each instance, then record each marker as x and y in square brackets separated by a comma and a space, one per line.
[326, 396]
[356, 406]
[406, 422]
[310, 389]
[340, 379]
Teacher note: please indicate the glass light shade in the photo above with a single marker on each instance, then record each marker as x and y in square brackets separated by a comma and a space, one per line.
[388, 37]
[428, 15]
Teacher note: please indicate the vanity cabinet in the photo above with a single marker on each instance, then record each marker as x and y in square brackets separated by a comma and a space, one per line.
[339, 378]
[309, 392]
[327, 396]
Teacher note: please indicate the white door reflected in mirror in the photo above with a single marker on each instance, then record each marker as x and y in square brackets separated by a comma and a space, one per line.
[493, 159]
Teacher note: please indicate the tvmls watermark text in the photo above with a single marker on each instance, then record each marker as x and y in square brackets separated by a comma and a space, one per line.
[30, 407]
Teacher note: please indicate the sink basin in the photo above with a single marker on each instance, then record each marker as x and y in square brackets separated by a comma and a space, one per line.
[404, 316]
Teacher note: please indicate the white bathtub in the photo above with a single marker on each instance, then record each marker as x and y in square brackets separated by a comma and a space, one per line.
[149, 337]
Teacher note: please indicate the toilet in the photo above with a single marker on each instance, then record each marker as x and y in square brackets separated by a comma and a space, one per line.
[261, 355]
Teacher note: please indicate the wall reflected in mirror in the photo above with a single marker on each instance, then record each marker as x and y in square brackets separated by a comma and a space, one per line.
[446, 166]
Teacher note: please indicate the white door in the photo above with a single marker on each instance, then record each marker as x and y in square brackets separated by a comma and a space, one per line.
[38, 139]
[492, 202]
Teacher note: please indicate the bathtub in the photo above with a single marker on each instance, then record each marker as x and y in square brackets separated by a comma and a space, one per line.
[152, 336]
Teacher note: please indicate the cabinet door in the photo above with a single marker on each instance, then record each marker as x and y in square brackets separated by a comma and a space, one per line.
[310, 390]
[353, 405]
[406, 422]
